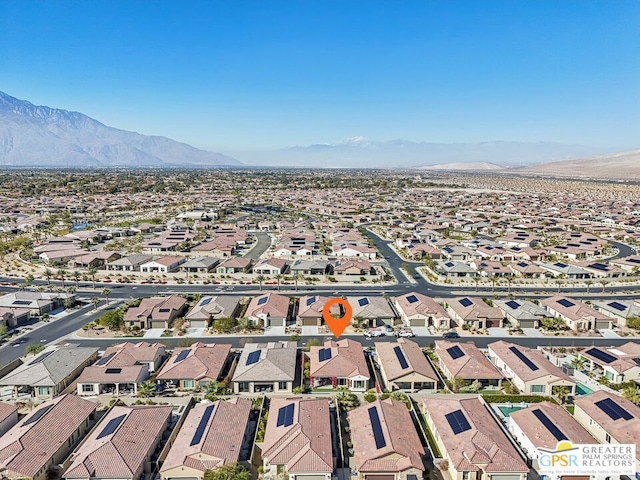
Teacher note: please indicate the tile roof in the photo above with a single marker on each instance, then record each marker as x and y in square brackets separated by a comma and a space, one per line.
[6, 410]
[277, 362]
[212, 307]
[425, 306]
[347, 360]
[577, 311]
[472, 365]
[154, 308]
[626, 356]
[222, 436]
[204, 361]
[275, 306]
[545, 367]
[417, 361]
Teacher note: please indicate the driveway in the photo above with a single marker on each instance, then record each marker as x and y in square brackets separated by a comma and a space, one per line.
[533, 332]
[194, 332]
[154, 333]
[608, 333]
[498, 332]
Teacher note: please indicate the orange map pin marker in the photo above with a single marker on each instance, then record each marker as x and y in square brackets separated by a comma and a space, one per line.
[337, 325]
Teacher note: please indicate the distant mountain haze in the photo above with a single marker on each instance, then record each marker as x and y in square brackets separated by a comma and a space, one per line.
[38, 136]
[616, 166]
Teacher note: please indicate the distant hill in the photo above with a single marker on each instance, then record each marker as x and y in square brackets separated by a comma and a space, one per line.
[358, 152]
[38, 136]
[480, 166]
[618, 166]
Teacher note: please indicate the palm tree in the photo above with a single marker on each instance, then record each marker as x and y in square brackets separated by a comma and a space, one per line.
[476, 280]
[106, 292]
[604, 283]
[62, 273]
[92, 271]
[260, 279]
[48, 274]
[76, 278]
[509, 279]
[28, 279]
[147, 389]
[632, 394]
[278, 277]
[296, 277]
[95, 301]
[562, 391]
[588, 283]
[494, 280]
[558, 282]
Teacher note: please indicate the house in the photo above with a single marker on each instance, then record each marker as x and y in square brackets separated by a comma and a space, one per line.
[529, 370]
[210, 308]
[475, 313]
[602, 270]
[266, 367]
[234, 265]
[121, 369]
[385, 442]
[619, 310]
[354, 267]
[354, 250]
[404, 366]
[195, 366]
[522, 313]
[564, 270]
[629, 264]
[130, 263]
[372, 310]
[164, 264]
[268, 310]
[339, 364]
[465, 361]
[45, 437]
[577, 315]
[611, 419]
[298, 439]
[527, 270]
[94, 259]
[36, 303]
[50, 372]
[212, 435]
[455, 269]
[471, 441]
[309, 267]
[617, 364]
[57, 257]
[13, 317]
[418, 310]
[155, 312]
[310, 309]
[457, 253]
[542, 426]
[122, 445]
[270, 266]
[199, 265]
[8, 417]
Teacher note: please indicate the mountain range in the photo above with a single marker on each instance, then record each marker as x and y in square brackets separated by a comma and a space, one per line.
[39, 136]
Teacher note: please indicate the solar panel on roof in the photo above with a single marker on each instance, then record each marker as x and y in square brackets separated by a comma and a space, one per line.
[181, 356]
[41, 358]
[566, 303]
[113, 370]
[618, 306]
[465, 302]
[600, 355]
[378, 436]
[111, 426]
[455, 352]
[412, 299]
[613, 410]
[560, 265]
[522, 264]
[105, 359]
[197, 436]
[458, 422]
[633, 260]
[311, 300]
[637, 360]
[21, 302]
[324, 354]
[206, 301]
[512, 304]
[598, 266]
[363, 301]
[449, 264]
[37, 415]
[546, 421]
[523, 358]
[285, 415]
[401, 358]
[263, 300]
[253, 357]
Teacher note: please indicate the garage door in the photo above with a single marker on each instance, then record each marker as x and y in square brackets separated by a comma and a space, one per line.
[379, 477]
[198, 323]
[493, 323]
[311, 477]
[417, 322]
[310, 321]
[504, 477]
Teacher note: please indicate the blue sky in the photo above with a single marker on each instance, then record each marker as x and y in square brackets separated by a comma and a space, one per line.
[242, 75]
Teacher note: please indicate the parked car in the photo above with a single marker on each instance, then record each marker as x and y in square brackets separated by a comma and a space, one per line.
[405, 332]
[388, 328]
[451, 335]
[374, 332]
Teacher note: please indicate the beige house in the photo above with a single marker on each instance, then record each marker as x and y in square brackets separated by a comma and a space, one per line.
[418, 310]
[617, 364]
[474, 312]
[268, 310]
[310, 309]
[404, 366]
[155, 312]
[266, 367]
[577, 315]
[467, 362]
[45, 437]
[339, 364]
[385, 442]
[528, 369]
[212, 435]
[470, 440]
[195, 366]
[210, 308]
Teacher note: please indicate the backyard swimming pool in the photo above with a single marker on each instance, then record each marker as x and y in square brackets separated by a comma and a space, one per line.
[583, 389]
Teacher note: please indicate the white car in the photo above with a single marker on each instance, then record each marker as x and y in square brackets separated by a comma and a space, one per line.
[405, 332]
[373, 332]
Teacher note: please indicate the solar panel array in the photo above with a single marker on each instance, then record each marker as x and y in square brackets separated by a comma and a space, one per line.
[613, 410]
[363, 301]
[104, 360]
[324, 354]
[618, 306]
[206, 301]
[566, 303]
[197, 436]
[512, 304]
[455, 352]
[401, 358]
[523, 358]
[412, 299]
[522, 264]
[311, 300]
[285, 415]
[113, 370]
[458, 422]
[111, 426]
[378, 436]
[449, 264]
[561, 265]
[600, 355]
[263, 300]
[465, 302]
[41, 358]
[182, 355]
[546, 421]
[37, 415]
[21, 302]
[598, 266]
[253, 357]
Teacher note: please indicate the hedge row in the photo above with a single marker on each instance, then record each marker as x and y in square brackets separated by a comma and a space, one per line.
[517, 399]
